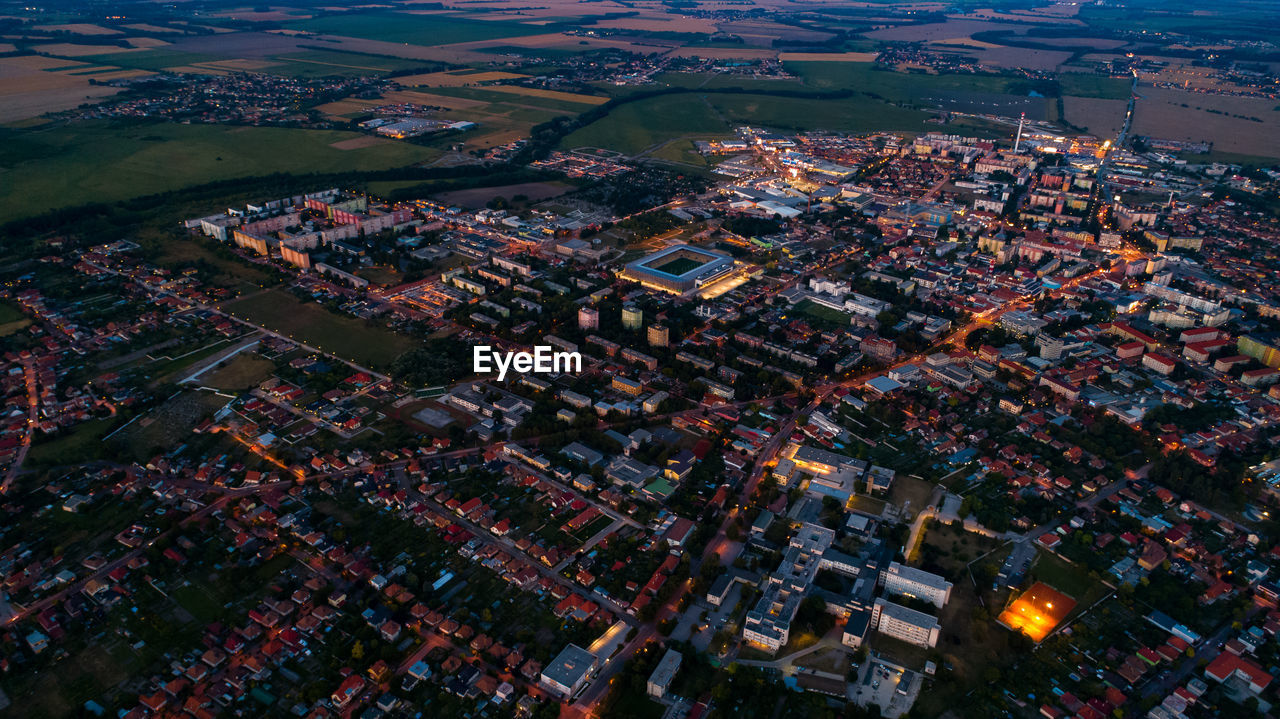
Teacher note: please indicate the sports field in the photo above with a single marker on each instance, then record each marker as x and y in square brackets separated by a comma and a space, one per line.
[679, 265]
[103, 161]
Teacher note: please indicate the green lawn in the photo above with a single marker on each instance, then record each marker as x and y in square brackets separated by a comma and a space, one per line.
[824, 314]
[82, 442]
[103, 161]
[9, 313]
[308, 322]
[426, 30]
[1070, 579]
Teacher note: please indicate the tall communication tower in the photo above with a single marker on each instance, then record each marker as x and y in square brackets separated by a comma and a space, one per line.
[1018, 141]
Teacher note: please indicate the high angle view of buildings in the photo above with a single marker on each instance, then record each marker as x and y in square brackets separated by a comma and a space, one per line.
[638, 359]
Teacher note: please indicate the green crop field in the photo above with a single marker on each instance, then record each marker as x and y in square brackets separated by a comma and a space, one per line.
[1085, 85]
[497, 97]
[895, 86]
[425, 30]
[103, 161]
[346, 337]
[323, 63]
[854, 114]
[150, 59]
[637, 126]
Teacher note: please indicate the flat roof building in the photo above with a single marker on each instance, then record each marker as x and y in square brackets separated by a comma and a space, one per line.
[568, 673]
[664, 673]
[906, 624]
[905, 581]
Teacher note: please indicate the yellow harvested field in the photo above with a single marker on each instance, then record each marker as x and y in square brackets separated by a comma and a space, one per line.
[550, 94]
[80, 28]
[66, 49]
[450, 79]
[37, 62]
[33, 85]
[146, 42]
[143, 27]
[967, 42]
[827, 56]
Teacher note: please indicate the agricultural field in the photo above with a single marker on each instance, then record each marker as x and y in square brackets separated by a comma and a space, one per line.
[429, 30]
[346, 337]
[101, 161]
[1099, 117]
[31, 85]
[1241, 125]
[637, 126]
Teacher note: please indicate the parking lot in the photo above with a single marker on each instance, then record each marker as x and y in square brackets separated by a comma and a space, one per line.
[890, 687]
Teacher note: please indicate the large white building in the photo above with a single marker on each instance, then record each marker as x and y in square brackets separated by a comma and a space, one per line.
[906, 581]
[906, 624]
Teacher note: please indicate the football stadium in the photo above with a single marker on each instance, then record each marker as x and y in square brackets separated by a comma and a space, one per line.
[679, 269]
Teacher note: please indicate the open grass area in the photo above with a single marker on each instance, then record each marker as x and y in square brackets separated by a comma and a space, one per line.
[169, 425]
[83, 676]
[103, 161]
[427, 30]
[227, 271]
[308, 322]
[948, 550]
[910, 494]
[241, 372]
[1068, 578]
[81, 443]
